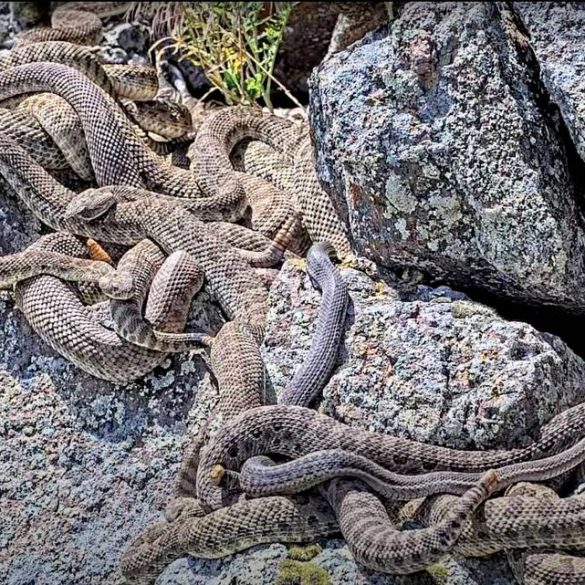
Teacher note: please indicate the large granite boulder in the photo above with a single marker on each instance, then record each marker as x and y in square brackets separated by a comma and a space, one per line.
[430, 365]
[427, 364]
[435, 141]
[557, 36]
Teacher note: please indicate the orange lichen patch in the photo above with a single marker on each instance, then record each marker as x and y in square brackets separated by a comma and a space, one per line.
[96, 252]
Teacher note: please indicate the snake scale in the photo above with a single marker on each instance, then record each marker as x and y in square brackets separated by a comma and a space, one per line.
[54, 310]
[165, 212]
[362, 518]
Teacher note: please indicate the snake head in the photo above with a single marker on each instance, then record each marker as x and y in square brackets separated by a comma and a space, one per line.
[319, 255]
[167, 119]
[91, 204]
[119, 286]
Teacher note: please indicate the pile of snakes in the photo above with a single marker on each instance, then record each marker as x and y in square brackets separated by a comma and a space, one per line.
[85, 146]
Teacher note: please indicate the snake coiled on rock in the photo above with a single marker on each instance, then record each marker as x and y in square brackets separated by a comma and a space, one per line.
[138, 204]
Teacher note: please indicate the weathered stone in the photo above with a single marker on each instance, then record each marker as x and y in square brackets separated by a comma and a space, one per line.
[24, 15]
[442, 371]
[131, 37]
[431, 365]
[557, 35]
[308, 35]
[85, 464]
[438, 154]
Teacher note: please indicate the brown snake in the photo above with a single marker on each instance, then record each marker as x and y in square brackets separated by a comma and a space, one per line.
[288, 431]
[78, 22]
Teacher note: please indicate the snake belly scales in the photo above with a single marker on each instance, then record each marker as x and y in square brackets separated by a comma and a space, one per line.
[161, 211]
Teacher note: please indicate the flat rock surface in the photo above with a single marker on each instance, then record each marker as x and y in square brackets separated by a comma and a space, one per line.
[433, 140]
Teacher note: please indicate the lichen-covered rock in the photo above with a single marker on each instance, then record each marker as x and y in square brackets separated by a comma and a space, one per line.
[443, 371]
[314, 28]
[557, 35]
[431, 365]
[434, 142]
[24, 15]
[84, 464]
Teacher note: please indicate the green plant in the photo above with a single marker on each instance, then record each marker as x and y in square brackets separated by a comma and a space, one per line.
[235, 43]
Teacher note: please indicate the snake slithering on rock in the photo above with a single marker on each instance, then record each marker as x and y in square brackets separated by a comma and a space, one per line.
[356, 507]
[55, 311]
[129, 218]
[191, 530]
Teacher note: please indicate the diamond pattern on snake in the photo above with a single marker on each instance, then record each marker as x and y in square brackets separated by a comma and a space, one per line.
[257, 472]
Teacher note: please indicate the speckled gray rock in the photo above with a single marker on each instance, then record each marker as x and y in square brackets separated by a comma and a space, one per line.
[25, 15]
[445, 371]
[557, 35]
[433, 143]
[437, 368]
[125, 42]
[84, 464]
[131, 37]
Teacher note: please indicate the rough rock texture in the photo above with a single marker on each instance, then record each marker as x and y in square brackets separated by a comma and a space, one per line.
[18, 16]
[125, 42]
[85, 465]
[556, 32]
[309, 32]
[430, 365]
[305, 43]
[441, 156]
[444, 370]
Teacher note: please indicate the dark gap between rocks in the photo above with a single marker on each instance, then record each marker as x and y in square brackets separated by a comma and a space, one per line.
[550, 110]
[568, 326]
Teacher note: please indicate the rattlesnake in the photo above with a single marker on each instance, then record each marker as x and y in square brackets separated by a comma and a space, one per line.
[229, 278]
[222, 130]
[127, 83]
[55, 312]
[286, 430]
[78, 22]
[35, 261]
[117, 155]
[127, 221]
[240, 377]
[521, 519]
[128, 161]
[364, 521]
[312, 377]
